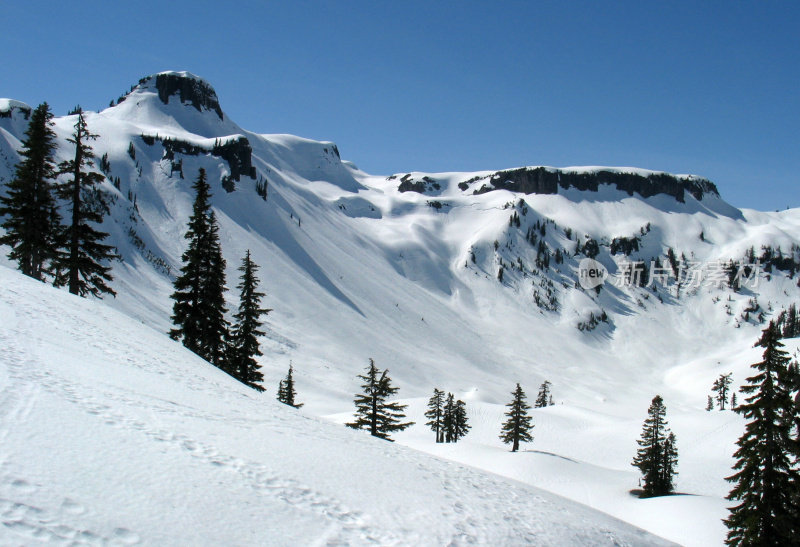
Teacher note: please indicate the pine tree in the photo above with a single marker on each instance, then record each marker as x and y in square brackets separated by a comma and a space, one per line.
[657, 455]
[544, 398]
[199, 308]
[722, 387]
[766, 479]
[518, 426]
[32, 222]
[460, 422]
[286, 391]
[373, 413]
[449, 419]
[79, 266]
[733, 401]
[245, 332]
[710, 404]
[435, 414]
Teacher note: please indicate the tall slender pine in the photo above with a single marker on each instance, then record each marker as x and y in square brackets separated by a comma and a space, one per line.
[286, 392]
[657, 455]
[435, 414]
[767, 479]
[544, 397]
[199, 309]
[518, 426]
[32, 222]
[80, 265]
[245, 332]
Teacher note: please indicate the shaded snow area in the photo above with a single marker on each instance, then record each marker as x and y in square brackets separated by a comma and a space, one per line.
[111, 434]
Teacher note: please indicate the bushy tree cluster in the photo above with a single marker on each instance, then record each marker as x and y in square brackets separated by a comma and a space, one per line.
[198, 312]
[447, 417]
[722, 387]
[545, 396]
[40, 245]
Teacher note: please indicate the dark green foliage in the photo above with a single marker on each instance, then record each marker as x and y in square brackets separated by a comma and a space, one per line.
[710, 403]
[245, 332]
[373, 412]
[199, 309]
[460, 423]
[657, 455]
[286, 391]
[449, 419]
[767, 479]
[435, 414]
[518, 426]
[31, 220]
[722, 387]
[545, 397]
[80, 265]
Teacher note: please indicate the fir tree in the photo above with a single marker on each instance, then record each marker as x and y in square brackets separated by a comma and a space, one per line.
[460, 422]
[722, 387]
[733, 401]
[32, 222]
[79, 266]
[449, 419]
[286, 391]
[373, 412]
[245, 332]
[657, 455]
[544, 398]
[435, 414]
[766, 479]
[710, 404]
[518, 426]
[199, 308]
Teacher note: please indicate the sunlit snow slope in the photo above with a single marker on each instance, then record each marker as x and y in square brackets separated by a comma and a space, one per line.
[406, 269]
[111, 434]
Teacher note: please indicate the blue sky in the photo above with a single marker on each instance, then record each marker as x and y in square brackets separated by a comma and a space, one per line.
[456, 86]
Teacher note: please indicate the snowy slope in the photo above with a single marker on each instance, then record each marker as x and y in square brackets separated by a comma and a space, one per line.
[110, 433]
[356, 268]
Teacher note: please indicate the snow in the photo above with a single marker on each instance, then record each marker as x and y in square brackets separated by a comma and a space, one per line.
[354, 269]
[113, 434]
[8, 104]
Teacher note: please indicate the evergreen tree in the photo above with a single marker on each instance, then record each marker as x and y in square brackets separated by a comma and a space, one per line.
[544, 398]
[32, 222]
[286, 391]
[199, 309]
[722, 387]
[449, 419]
[710, 404]
[245, 332]
[733, 401]
[518, 426]
[460, 422]
[657, 455]
[79, 266]
[435, 414]
[373, 412]
[766, 479]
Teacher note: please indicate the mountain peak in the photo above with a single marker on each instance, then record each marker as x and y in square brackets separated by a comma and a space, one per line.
[187, 86]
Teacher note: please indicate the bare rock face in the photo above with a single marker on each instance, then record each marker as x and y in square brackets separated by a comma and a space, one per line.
[190, 89]
[543, 180]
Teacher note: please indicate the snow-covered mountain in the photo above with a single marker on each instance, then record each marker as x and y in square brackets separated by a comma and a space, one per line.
[407, 269]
